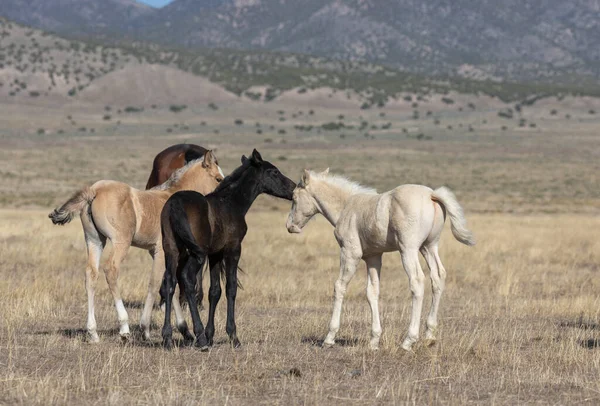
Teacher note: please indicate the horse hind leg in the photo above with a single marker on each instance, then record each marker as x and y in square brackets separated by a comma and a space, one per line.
[416, 278]
[438, 283]
[95, 248]
[182, 325]
[214, 294]
[167, 290]
[187, 279]
[112, 276]
[95, 243]
[158, 266]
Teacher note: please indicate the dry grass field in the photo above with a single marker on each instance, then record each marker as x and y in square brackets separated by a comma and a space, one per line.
[520, 317]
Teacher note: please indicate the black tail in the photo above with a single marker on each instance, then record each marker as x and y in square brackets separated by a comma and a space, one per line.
[224, 275]
[182, 231]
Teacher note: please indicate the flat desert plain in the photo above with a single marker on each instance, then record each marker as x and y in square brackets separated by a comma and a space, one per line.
[520, 316]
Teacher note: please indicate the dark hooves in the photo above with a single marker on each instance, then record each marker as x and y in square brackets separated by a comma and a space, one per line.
[235, 343]
[168, 344]
[202, 344]
[188, 339]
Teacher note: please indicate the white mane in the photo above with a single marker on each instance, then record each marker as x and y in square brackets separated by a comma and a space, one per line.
[344, 183]
[177, 175]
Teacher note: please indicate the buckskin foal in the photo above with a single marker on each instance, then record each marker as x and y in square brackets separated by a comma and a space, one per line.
[128, 216]
[195, 227]
[408, 219]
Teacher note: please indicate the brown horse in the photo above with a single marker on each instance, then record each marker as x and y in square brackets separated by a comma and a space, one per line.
[167, 162]
[127, 216]
[171, 159]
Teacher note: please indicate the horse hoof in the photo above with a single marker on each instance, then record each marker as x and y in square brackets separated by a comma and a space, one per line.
[235, 343]
[168, 344]
[201, 343]
[93, 338]
[407, 347]
[328, 345]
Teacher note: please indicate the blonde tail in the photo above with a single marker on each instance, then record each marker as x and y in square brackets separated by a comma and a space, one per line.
[76, 204]
[458, 223]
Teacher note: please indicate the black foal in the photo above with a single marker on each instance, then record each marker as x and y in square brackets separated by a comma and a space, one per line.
[195, 227]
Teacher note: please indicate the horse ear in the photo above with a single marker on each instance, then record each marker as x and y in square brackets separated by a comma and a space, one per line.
[326, 171]
[244, 159]
[256, 156]
[209, 159]
[306, 177]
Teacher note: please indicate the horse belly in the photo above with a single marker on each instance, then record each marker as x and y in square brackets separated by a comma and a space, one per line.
[375, 232]
[147, 209]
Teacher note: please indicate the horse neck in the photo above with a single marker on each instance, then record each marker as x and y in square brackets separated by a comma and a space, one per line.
[243, 192]
[195, 178]
[330, 199]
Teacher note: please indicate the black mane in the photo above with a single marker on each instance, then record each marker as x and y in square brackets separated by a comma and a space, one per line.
[232, 177]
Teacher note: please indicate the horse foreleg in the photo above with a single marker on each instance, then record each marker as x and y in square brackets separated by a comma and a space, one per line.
[348, 264]
[231, 267]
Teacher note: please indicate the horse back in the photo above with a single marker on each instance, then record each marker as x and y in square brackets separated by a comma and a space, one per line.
[171, 159]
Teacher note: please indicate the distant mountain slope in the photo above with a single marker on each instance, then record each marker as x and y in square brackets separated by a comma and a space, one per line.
[484, 38]
[77, 17]
[547, 40]
[35, 66]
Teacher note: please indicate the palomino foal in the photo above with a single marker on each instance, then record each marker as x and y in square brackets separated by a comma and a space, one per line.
[128, 216]
[408, 219]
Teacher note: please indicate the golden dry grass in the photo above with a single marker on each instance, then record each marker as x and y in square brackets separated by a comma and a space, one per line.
[519, 322]
[520, 318]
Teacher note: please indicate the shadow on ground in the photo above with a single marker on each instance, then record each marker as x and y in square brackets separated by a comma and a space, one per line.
[590, 343]
[318, 342]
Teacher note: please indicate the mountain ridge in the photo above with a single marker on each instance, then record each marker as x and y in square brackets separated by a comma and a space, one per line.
[539, 40]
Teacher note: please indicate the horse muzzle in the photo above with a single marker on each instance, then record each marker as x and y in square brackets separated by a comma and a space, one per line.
[293, 228]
